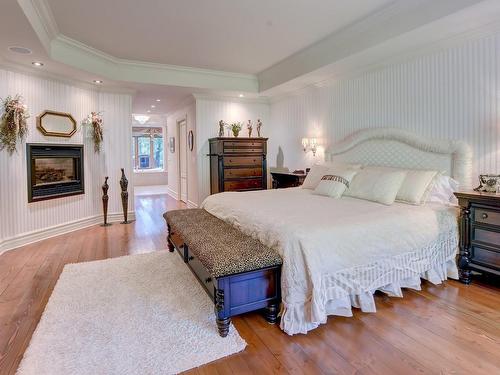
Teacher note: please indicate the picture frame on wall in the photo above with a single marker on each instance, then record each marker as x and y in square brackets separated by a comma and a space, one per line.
[171, 144]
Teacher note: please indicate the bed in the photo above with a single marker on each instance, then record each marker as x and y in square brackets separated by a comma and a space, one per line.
[338, 252]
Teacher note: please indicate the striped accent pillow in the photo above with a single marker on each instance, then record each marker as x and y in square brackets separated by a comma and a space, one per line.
[335, 183]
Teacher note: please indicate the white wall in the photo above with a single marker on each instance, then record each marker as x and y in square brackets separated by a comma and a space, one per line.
[187, 111]
[22, 222]
[451, 94]
[208, 114]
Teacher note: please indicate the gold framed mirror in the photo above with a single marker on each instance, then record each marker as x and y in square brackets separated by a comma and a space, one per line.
[56, 124]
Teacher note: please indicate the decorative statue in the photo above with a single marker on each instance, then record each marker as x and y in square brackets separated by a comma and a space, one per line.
[249, 127]
[259, 125]
[221, 128]
[124, 185]
[105, 199]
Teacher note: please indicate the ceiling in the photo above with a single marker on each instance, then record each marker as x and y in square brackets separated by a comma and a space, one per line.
[170, 49]
[230, 35]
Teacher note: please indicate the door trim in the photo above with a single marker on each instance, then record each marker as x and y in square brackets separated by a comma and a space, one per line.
[179, 121]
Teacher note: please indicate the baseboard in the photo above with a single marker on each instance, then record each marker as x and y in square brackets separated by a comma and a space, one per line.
[56, 230]
[191, 204]
[173, 193]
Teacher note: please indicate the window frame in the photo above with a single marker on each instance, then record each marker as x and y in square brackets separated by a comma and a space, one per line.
[152, 159]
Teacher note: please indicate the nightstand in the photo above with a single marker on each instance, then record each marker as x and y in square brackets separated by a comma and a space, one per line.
[287, 179]
[479, 233]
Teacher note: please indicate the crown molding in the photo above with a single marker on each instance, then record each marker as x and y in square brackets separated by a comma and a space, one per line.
[451, 31]
[231, 98]
[74, 53]
[401, 18]
[21, 69]
[41, 19]
[79, 55]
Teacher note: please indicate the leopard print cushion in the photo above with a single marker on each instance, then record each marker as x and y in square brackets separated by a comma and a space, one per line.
[221, 248]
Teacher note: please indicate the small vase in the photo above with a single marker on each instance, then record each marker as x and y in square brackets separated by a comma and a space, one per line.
[236, 133]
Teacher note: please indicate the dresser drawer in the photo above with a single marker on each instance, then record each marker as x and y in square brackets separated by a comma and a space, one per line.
[201, 273]
[486, 216]
[247, 184]
[486, 236]
[485, 257]
[242, 172]
[233, 161]
[246, 144]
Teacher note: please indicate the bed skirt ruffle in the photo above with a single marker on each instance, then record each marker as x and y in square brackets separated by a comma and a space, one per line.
[356, 287]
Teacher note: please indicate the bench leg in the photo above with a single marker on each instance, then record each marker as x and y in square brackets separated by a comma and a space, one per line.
[169, 244]
[271, 313]
[223, 326]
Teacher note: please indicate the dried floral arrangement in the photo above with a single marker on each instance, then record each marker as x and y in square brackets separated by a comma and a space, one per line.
[94, 121]
[13, 124]
[236, 128]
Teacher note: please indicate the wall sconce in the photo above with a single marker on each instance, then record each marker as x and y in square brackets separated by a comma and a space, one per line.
[310, 144]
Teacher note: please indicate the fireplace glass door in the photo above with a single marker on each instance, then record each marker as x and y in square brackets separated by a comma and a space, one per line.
[54, 171]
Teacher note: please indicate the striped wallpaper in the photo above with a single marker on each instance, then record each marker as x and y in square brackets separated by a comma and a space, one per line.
[451, 94]
[17, 217]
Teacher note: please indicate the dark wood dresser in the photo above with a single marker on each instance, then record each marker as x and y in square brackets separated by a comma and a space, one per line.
[479, 234]
[238, 164]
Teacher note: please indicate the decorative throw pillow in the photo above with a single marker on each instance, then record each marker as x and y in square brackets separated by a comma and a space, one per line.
[414, 189]
[314, 176]
[376, 184]
[335, 182]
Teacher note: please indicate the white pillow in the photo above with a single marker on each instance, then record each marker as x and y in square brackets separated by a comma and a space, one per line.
[376, 184]
[414, 187]
[314, 176]
[441, 190]
[334, 183]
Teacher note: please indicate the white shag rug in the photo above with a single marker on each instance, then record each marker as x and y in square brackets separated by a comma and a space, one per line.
[139, 314]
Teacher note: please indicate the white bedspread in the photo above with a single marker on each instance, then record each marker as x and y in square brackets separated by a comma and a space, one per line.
[337, 252]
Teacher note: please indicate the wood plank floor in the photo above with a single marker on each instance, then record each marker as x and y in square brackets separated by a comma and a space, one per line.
[442, 329]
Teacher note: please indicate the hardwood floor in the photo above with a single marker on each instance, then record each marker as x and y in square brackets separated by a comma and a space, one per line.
[449, 328]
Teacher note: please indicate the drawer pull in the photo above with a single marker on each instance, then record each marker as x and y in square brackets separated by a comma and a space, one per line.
[190, 257]
[484, 215]
[208, 279]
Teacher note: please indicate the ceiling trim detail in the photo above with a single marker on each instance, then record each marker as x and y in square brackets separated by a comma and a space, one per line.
[399, 18]
[77, 54]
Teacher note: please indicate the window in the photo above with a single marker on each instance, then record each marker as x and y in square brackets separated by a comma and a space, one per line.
[147, 148]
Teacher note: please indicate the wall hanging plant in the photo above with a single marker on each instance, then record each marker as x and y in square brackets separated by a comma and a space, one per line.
[94, 123]
[13, 124]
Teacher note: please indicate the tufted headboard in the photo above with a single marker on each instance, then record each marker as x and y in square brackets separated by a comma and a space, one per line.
[391, 147]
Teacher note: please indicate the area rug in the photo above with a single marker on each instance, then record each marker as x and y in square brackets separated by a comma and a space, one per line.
[139, 314]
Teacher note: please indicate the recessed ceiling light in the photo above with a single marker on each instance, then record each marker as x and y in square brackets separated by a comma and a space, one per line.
[148, 111]
[153, 106]
[98, 81]
[37, 63]
[241, 95]
[21, 50]
[158, 100]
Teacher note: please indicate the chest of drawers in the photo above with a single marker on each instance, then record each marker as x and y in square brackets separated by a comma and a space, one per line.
[479, 234]
[238, 164]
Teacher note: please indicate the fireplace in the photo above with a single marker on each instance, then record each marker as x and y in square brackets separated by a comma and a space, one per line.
[54, 171]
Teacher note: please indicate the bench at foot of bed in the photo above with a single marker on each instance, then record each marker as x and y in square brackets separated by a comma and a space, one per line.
[239, 273]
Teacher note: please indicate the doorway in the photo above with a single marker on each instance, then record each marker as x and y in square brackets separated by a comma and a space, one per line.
[183, 168]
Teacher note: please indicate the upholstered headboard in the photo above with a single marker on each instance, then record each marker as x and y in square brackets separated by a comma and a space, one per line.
[402, 149]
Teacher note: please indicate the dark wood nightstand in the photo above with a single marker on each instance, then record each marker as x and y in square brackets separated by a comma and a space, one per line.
[479, 233]
[287, 179]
